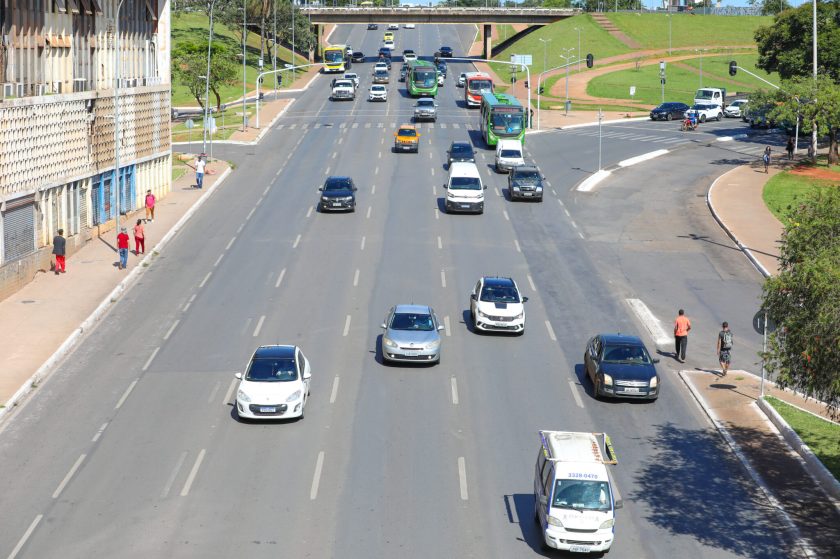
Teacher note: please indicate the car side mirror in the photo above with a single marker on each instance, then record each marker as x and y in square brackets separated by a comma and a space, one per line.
[619, 503]
[355, 189]
[655, 360]
[485, 187]
[524, 299]
[440, 327]
[543, 500]
[307, 374]
[238, 375]
[320, 189]
[472, 296]
[383, 326]
[444, 185]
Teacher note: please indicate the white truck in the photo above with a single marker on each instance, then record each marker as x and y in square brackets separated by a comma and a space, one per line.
[343, 89]
[711, 96]
[575, 495]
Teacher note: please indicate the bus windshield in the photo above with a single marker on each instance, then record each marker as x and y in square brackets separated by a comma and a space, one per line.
[425, 78]
[333, 56]
[507, 123]
[480, 86]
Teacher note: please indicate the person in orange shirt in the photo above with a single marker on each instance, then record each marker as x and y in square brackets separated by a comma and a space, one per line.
[681, 327]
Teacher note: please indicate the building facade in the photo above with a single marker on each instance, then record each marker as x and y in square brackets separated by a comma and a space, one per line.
[58, 62]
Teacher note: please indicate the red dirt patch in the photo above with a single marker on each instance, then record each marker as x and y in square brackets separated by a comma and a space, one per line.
[816, 173]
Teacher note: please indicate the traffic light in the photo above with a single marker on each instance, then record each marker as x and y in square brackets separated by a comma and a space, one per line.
[542, 89]
[279, 80]
[590, 60]
[527, 85]
[733, 68]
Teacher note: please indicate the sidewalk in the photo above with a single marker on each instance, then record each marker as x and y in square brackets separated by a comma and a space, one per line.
[39, 318]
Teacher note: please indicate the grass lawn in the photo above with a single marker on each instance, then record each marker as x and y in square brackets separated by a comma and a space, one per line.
[716, 71]
[178, 171]
[783, 191]
[195, 26]
[823, 437]
[651, 30]
[228, 121]
[505, 32]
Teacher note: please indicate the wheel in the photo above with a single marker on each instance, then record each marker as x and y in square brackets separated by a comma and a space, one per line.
[668, 116]
[702, 118]
[597, 388]
[719, 116]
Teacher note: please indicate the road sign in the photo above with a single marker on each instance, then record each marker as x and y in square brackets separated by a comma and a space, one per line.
[521, 59]
[759, 323]
[661, 66]
[632, 90]
[189, 124]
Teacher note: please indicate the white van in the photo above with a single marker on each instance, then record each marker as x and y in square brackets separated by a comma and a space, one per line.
[509, 154]
[464, 189]
[575, 496]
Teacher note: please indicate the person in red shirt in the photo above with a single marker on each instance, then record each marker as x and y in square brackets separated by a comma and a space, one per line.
[122, 248]
[139, 238]
[681, 327]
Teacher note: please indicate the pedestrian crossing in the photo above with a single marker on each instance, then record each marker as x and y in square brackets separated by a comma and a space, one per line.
[369, 125]
[629, 136]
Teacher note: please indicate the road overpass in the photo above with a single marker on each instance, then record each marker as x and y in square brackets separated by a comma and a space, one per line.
[321, 15]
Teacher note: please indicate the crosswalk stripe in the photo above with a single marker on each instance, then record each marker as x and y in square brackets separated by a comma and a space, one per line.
[367, 125]
[443, 125]
[280, 126]
[317, 125]
[355, 125]
[292, 126]
[455, 125]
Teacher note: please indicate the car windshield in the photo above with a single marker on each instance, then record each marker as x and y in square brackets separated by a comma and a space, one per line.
[581, 494]
[424, 77]
[378, 88]
[499, 294]
[407, 132]
[333, 56]
[461, 150]
[381, 72]
[700, 107]
[343, 83]
[514, 153]
[338, 184]
[704, 94]
[626, 354]
[480, 86]
[526, 177]
[426, 103]
[507, 123]
[465, 183]
[272, 370]
[412, 321]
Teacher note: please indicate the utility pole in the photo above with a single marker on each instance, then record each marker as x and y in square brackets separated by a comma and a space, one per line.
[578, 52]
[545, 49]
[207, 82]
[244, 75]
[117, 78]
[814, 122]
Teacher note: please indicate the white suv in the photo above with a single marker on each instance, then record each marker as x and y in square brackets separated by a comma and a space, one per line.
[496, 305]
[509, 154]
[706, 111]
[378, 93]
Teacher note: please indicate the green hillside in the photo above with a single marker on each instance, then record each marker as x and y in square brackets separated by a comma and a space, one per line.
[651, 30]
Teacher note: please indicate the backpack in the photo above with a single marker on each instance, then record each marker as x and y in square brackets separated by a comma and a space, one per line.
[726, 339]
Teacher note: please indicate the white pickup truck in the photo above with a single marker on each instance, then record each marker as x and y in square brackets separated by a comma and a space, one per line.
[343, 89]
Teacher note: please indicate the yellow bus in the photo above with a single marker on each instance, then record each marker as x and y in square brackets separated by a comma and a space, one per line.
[334, 58]
[366, 4]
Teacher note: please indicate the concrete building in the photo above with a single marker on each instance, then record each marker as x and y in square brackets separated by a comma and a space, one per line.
[57, 126]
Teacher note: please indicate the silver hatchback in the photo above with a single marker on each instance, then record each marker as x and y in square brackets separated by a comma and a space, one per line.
[412, 334]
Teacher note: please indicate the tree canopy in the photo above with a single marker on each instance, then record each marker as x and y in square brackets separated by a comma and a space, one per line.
[189, 64]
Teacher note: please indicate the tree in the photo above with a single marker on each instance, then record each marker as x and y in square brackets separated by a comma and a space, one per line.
[190, 64]
[804, 301]
[786, 46]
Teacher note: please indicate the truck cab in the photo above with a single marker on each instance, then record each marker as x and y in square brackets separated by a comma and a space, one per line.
[575, 495]
[711, 96]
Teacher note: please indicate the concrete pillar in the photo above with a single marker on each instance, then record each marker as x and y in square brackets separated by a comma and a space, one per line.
[488, 41]
[319, 46]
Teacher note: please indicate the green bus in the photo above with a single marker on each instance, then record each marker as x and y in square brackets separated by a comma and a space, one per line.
[421, 79]
[502, 116]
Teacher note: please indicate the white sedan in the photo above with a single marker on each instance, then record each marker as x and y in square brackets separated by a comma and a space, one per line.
[705, 111]
[388, 45]
[275, 384]
[409, 26]
[497, 305]
[735, 108]
[378, 93]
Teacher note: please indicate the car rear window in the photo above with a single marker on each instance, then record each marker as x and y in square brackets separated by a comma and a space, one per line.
[408, 132]
[513, 153]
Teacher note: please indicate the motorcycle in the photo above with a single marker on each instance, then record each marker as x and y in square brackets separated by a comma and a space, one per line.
[688, 124]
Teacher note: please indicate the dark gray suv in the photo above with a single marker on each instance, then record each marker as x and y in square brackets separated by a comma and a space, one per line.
[525, 182]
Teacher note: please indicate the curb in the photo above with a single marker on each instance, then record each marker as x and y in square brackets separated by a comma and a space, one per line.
[813, 465]
[756, 477]
[614, 121]
[758, 266]
[90, 322]
[591, 181]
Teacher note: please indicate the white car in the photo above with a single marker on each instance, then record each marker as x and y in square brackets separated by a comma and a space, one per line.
[349, 50]
[353, 77]
[440, 78]
[275, 384]
[409, 56]
[380, 66]
[378, 93]
[388, 45]
[735, 108]
[705, 112]
[409, 26]
[462, 79]
[393, 26]
[509, 154]
[496, 305]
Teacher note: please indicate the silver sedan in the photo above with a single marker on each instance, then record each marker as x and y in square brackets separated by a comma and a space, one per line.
[412, 334]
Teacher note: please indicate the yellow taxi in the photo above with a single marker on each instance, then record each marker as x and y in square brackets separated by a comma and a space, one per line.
[388, 36]
[406, 138]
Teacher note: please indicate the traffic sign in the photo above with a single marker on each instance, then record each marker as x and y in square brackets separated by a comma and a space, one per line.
[189, 124]
[760, 322]
[521, 59]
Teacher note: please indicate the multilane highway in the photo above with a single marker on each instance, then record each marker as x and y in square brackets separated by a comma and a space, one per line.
[132, 448]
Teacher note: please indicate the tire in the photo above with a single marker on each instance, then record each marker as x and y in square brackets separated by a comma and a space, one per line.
[702, 118]
[668, 116]
[597, 388]
[719, 117]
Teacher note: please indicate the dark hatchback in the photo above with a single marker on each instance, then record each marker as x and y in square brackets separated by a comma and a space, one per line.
[441, 67]
[461, 151]
[669, 111]
[358, 56]
[384, 51]
[372, 26]
[338, 194]
[620, 366]
[525, 182]
[444, 52]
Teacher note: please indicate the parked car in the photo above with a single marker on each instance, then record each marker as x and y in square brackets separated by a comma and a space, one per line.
[411, 334]
[358, 56]
[525, 182]
[338, 193]
[393, 26]
[734, 109]
[378, 93]
[669, 111]
[620, 366]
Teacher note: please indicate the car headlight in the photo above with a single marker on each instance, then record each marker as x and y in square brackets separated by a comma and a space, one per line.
[607, 380]
[480, 313]
[389, 342]
[519, 316]
[516, 187]
[348, 198]
[607, 524]
[554, 521]
[654, 381]
[433, 345]
[240, 395]
[324, 199]
[293, 396]
[539, 189]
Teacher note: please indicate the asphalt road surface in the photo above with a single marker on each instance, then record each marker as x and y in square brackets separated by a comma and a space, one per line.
[132, 449]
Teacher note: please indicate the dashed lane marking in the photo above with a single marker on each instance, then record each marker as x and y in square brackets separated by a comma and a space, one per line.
[69, 475]
[193, 473]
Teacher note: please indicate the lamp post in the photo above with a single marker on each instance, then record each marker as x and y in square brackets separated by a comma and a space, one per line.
[669, 29]
[244, 75]
[207, 85]
[117, 112]
[274, 47]
[566, 58]
[545, 49]
[814, 122]
[578, 52]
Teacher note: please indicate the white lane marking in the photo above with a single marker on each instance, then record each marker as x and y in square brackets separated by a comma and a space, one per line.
[267, 188]
[554, 192]
[379, 155]
[376, 170]
[442, 278]
[169, 482]
[316, 478]
[247, 217]
[550, 331]
[240, 228]
[356, 278]
[69, 475]
[362, 246]
[25, 536]
[280, 278]
[309, 212]
[507, 217]
[433, 169]
[647, 318]
[335, 154]
[215, 391]
[462, 478]
[346, 325]
[151, 358]
[229, 393]
[581, 235]
[128, 390]
[430, 153]
[574, 224]
[259, 326]
[230, 242]
[643, 157]
[567, 213]
[99, 432]
[334, 393]
[454, 385]
[437, 213]
[446, 327]
[259, 201]
[204, 281]
[370, 209]
[373, 189]
[327, 171]
[531, 282]
[573, 388]
[194, 472]
[171, 329]
[340, 140]
[518, 248]
[297, 241]
[498, 192]
[440, 243]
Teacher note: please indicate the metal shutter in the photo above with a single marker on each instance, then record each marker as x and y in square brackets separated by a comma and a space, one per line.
[18, 232]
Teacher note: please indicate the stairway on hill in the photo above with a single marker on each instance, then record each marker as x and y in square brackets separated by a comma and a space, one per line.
[608, 26]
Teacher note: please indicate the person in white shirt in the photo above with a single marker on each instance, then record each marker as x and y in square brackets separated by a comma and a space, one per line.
[200, 163]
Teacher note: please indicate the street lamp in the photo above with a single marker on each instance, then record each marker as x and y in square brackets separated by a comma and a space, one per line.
[545, 45]
[207, 85]
[566, 58]
[244, 75]
[578, 51]
[701, 65]
[117, 113]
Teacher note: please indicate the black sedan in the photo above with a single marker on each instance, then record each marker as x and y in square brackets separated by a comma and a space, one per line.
[441, 67]
[358, 56]
[338, 193]
[444, 52]
[372, 26]
[669, 111]
[620, 366]
[461, 151]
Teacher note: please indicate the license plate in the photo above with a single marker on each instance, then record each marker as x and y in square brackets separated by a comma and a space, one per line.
[465, 205]
[631, 389]
[412, 353]
[268, 409]
[580, 548]
[336, 204]
[500, 324]
[528, 193]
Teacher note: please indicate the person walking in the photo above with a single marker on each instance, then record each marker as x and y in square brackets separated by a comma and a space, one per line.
[150, 206]
[59, 247]
[139, 238]
[789, 147]
[766, 158]
[122, 248]
[681, 327]
[200, 164]
[724, 347]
